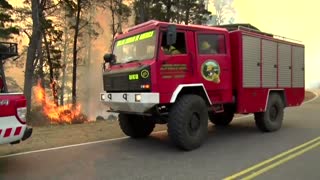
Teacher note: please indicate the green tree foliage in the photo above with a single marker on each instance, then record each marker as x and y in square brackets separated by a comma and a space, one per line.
[6, 20]
[192, 12]
[143, 10]
[120, 13]
[178, 11]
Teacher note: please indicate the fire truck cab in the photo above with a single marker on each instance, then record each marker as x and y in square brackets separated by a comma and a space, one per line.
[183, 75]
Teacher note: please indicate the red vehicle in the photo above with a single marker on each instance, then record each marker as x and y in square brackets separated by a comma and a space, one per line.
[13, 127]
[184, 75]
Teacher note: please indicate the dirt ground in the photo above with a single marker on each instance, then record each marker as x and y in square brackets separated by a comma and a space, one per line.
[60, 135]
[308, 95]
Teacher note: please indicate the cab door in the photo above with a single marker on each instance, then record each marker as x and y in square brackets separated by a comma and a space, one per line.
[173, 66]
[214, 65]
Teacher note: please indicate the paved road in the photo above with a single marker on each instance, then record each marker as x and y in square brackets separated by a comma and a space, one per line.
[226, 152]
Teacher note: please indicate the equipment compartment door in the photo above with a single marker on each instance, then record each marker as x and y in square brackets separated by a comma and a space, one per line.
[269, 64]
[285, 67]
[298, 67]
[251, 62]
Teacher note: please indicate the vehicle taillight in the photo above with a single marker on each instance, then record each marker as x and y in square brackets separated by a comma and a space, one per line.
[22, 113]
[21, 110]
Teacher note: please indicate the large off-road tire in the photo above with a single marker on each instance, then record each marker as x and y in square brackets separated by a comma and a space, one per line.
[271, 119]
[224, 118]
[188, 122]
[136, 126]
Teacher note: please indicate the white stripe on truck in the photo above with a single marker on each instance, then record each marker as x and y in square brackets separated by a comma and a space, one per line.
[10, 129]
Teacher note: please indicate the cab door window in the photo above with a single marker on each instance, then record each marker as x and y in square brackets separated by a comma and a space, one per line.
[211, 44]
[175, 49]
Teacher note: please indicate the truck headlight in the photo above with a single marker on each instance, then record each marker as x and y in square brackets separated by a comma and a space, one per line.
[138, 97]
[103, 97]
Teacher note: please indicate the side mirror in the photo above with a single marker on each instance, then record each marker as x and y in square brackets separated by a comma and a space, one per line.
[109, 58]
[171, 34]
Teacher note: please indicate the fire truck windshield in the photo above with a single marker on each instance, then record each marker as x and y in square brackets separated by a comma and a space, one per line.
[135, 48]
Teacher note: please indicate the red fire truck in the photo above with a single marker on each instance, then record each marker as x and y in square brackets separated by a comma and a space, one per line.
[13, 127]
[183, 75]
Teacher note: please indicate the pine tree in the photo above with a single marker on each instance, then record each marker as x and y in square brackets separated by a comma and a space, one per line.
[6, 20]
[177, 11]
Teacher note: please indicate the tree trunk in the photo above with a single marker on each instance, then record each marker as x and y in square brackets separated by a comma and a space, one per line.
[52, 81]
[31, 53]
[64, 71]
[3, 77]
[119, 14]
[186, 21]
[179, 14]
[142, 12]
[65, 52]
[75, 41]
[113, 25]
[168, 7]
[41, 63]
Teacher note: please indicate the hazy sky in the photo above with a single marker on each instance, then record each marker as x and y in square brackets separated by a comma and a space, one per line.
[290, 18]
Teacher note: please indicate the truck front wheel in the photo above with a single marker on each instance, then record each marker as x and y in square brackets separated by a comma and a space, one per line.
[188, 122]
[136, 126]
[271, 119]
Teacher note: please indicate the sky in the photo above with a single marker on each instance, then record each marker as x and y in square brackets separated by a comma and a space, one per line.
[293, 19]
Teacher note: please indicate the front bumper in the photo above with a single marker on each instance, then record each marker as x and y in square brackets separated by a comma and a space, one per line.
[130, 102]
[27, 134]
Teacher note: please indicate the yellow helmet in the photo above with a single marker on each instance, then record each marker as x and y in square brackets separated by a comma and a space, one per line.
[205, 45]
[209, 67]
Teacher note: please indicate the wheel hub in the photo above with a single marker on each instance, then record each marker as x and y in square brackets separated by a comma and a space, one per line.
[273, 113]
[195, 122]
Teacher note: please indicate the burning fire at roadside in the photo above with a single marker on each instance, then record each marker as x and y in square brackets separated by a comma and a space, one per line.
[58, 114]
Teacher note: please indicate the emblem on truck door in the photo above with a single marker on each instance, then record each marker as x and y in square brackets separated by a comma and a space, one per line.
[210, 71]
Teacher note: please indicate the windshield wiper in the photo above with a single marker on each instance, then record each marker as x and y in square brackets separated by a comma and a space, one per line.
[134, 60]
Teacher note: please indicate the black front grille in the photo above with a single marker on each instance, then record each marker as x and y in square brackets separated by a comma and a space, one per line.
[118, 81]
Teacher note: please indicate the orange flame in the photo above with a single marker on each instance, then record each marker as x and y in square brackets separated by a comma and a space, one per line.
[56, 114]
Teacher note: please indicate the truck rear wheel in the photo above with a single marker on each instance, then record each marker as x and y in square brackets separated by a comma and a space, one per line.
[271, 119]
[136, 126]
[224, 118]
[188, 122]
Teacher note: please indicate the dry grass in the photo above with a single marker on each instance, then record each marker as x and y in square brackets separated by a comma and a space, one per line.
[308, 95]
